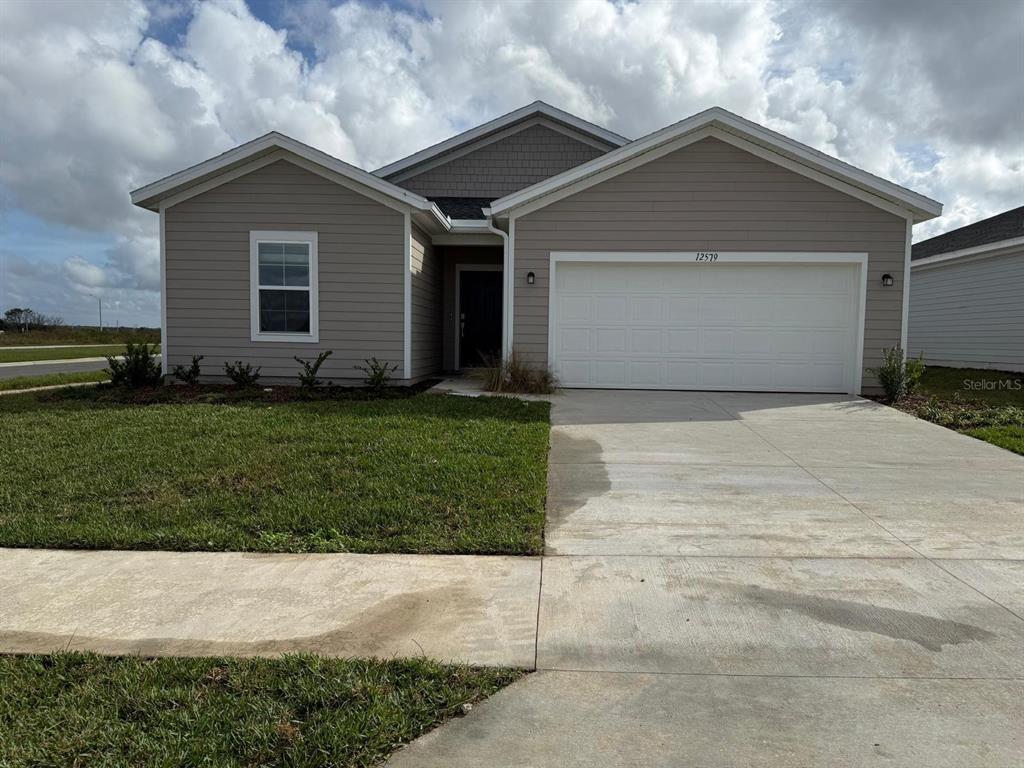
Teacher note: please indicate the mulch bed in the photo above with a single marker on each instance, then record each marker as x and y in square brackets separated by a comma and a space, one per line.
[229, 393]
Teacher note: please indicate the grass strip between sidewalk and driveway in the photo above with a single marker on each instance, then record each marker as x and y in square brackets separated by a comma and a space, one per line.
[52, 379]
[83, 709]
[426, 474]
[36, 354]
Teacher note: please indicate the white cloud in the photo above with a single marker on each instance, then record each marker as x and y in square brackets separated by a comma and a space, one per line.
[929, 95]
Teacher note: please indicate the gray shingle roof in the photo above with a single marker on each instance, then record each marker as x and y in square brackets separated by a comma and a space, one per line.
[462, 207]
[1003, 226]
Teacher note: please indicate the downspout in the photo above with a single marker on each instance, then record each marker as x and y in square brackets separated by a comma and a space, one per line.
[506, 287]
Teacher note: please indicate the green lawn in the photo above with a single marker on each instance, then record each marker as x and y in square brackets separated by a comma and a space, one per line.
[74, 709]
[988, 405]
[50, 379]
[1009, 437]
[69, 334]
[992, 387]
[31, 354]
[429, 473]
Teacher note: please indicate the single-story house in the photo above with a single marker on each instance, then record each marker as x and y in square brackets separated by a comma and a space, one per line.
[713, 254]
[967, 295]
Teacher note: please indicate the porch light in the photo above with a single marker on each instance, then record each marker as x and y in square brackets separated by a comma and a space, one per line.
[887, 280]
[530, 277]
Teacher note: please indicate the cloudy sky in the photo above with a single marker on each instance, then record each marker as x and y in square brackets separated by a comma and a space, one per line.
[102, 97]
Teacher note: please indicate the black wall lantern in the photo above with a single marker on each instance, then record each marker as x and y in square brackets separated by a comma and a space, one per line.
[887, 280]
[530, 277]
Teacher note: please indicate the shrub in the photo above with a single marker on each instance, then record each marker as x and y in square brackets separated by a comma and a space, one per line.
[378, 374]
[513, 374]
[188, 375]
[138, 367]
[957, 414]
[899, 376]
[308, 377]
[242, 374]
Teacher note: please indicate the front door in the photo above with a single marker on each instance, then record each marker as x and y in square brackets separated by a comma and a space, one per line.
[479, 317]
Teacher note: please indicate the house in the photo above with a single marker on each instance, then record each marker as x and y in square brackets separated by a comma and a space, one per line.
[711, 254]
[967, 295]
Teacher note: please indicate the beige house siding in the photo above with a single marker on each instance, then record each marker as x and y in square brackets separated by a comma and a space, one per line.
[484, 255]
[504, 166]
[427, 292]
[710, 196]
[361, 271]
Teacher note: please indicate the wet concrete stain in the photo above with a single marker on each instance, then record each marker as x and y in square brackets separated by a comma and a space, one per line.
[583, 451]
[926, 631]
[387, 629]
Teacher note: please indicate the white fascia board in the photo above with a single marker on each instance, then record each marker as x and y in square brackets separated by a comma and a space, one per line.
[979, 251]
[645, 149]
[480, 131]
[151, 195]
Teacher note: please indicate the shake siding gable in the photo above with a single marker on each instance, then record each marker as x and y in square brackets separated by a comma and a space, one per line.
[361, 267]
[710, 196]
[504, 166]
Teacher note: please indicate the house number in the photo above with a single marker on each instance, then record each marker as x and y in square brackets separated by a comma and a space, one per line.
[707, 257]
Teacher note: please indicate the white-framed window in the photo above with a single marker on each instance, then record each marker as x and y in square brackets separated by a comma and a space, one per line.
[283, 286]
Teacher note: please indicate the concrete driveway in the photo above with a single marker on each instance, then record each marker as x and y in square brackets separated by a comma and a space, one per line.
[765, 580]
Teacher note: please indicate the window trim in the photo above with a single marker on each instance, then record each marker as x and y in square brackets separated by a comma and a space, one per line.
[271, 236]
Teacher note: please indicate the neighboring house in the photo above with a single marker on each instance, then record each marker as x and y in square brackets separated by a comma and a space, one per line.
[967, 295]
[711, 254]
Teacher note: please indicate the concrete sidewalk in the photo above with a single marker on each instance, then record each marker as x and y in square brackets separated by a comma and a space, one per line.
[478, 610]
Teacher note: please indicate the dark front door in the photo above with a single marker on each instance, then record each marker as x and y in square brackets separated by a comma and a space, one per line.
[479, 317]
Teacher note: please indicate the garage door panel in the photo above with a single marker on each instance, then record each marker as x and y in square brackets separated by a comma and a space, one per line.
[722, 326]
[646, 309]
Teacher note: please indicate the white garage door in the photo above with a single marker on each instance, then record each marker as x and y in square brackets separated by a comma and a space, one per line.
[724, 326]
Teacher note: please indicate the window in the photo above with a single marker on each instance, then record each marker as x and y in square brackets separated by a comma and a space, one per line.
[283, 286]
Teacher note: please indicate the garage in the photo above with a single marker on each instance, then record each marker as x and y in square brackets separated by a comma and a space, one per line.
[708, 321]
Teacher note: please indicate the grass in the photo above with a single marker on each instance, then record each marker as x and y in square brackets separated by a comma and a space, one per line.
[71, 334]
[987, 405]
[51, 379]
[1009, 437]
[991, 387]
[30, 354]
[428, 473]
[78, 709]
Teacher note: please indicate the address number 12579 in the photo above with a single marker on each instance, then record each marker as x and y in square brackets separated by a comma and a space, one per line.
[706, 257]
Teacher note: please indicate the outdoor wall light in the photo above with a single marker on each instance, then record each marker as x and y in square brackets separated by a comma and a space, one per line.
[886, 279]
[530, 277]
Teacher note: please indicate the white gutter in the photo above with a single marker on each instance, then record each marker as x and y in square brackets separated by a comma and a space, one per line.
[506, 287]
[988, 249]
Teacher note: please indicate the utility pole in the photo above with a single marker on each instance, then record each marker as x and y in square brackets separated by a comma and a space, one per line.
[99, 302]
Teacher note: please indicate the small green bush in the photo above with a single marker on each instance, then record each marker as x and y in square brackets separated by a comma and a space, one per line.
[188, 375]
[138, 367]
[378, 374]
[900, 377]
[242, 374]
[308, 377]
[513, 374]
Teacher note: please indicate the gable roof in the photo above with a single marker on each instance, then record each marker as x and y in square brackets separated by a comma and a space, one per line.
[270, 148]
[537, 109]
[1008, 225]
[722, 124]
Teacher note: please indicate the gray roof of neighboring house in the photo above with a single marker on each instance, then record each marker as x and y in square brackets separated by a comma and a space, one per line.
[462, 207]
[1003, 226]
